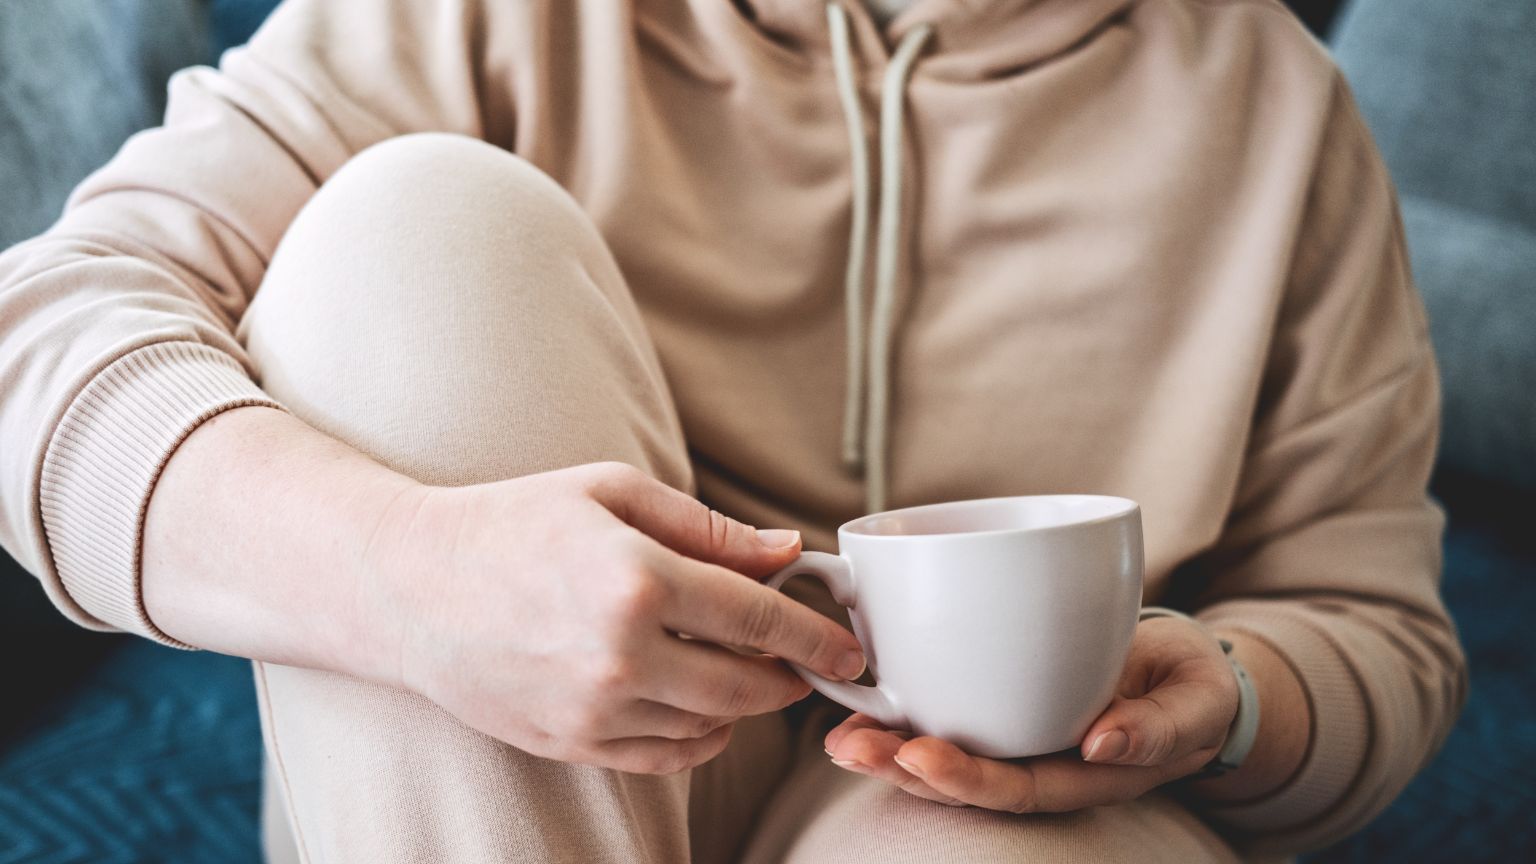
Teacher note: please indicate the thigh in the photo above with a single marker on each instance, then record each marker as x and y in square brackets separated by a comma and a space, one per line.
[822, 813]
[372, 774]
[449, 310]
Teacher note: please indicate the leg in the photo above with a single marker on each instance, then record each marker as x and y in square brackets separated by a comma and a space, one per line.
[823, 813]
[446, 308]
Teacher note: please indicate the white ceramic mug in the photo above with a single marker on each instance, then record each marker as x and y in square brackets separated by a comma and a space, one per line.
[1001, 625]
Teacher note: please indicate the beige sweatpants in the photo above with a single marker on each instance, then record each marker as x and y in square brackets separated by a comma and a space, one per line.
[449, 309]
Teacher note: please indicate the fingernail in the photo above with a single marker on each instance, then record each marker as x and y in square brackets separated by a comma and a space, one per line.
[846, 763]
[910, 768]
[1108, 747]
[829, 752]
[850, 665]
[777, 538]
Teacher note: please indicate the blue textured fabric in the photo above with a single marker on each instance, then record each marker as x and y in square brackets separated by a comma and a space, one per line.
[1478, 276]
[1449, 90]
[235, 20]
[154, 756]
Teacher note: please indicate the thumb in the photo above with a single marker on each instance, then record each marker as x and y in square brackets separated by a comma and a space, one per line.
[1163, 727]
[679, 522]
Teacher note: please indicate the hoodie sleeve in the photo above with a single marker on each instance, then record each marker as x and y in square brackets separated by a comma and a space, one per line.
[117, 325]
[1332, 550]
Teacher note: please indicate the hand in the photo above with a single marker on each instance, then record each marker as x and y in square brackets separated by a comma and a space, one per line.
[1174, 703]
[545, 611]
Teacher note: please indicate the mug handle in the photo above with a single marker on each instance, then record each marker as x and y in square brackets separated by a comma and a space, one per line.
[835, 572]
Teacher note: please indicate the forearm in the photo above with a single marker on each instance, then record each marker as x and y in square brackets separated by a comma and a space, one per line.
[254, 539]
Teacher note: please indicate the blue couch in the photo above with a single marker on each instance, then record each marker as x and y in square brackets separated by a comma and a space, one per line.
[114, 749]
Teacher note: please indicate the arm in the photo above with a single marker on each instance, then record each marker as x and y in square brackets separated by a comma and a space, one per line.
[1331, 558]
[557, 593]
[131, 425]
[262, 481]
[116, 327]
[1325, 581]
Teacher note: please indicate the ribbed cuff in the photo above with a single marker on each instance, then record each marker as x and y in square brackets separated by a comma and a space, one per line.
[1341, 720]
[103, 461]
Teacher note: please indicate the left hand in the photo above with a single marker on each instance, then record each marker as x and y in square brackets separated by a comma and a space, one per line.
[1169, 717]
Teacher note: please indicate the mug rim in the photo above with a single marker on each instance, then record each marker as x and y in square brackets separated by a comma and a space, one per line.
[1126, 507]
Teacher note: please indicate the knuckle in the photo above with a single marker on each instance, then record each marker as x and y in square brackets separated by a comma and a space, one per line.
[615, 470]
[669, 760]
[701, 724]
[1158, 746]
[682, 759]
[716, 745]
[611, 475]
[740, 699]
[1026, 799]
[1021, 806]
[700, 750]
[609, 672]
[828, 643]
[761, 620]
[719, 527]
[635, 596]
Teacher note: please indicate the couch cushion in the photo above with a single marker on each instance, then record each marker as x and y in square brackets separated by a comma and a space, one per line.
[1449, 91]
[77, 77]
[154, 756]
[1478, 277]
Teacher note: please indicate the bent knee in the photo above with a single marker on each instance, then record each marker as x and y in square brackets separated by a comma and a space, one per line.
[452, 180]
[431, 209]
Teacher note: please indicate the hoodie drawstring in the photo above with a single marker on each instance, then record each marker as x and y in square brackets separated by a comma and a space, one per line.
[866, 416]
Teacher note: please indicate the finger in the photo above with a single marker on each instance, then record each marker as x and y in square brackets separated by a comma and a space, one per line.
[706, 679]
[1047, 784]
[710, 602]
[679, 522]
[659, 755]
[644, 718]
[857, 721]
[872, 751]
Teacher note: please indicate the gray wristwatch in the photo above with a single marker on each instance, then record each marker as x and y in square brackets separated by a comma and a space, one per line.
[1245, 726]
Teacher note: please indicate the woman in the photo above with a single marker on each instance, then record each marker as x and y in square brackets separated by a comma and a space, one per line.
[409, 420]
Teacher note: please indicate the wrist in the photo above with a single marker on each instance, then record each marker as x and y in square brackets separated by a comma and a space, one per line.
[1284, 725]
[385, 582]
[253, 538]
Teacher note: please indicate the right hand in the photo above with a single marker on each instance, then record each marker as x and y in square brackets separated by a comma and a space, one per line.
[545, 611]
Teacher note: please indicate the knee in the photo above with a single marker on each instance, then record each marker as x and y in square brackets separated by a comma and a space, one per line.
[458, 216]
[453, 182]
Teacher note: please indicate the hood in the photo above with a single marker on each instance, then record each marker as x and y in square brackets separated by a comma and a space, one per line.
[971, 39]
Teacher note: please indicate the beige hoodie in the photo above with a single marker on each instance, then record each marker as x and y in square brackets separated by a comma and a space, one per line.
[1135, 247]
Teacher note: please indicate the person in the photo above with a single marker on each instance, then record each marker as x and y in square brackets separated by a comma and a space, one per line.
[442, 356]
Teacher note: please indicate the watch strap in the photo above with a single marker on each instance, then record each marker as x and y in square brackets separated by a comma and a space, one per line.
[1245, 725]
